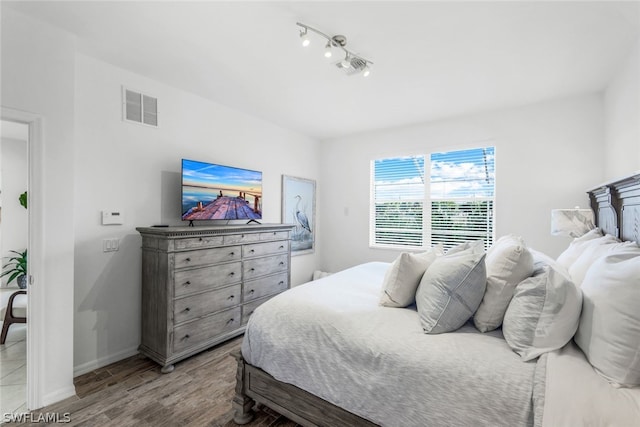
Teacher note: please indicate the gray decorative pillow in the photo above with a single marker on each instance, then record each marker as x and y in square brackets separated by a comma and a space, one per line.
[403, 277]
[543, 314]
[451, 290]
[508, 263]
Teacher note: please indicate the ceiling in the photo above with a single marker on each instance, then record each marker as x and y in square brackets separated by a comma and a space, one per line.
[432, 60]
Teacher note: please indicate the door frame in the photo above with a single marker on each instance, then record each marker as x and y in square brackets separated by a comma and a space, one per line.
[35, 302]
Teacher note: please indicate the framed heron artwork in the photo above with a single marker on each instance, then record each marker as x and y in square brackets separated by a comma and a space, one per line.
[299, 208]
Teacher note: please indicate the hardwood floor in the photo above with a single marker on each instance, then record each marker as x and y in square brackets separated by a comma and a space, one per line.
[133, 392]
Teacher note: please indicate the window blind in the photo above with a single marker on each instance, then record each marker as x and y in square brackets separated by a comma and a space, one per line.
[398, 201]
[462, 196]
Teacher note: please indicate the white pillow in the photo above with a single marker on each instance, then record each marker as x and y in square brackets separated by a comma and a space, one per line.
[464, 246]
[543, 314]
[541, 259]
[508, 263]
[403, 277]
[568, 257]
[451, 290]
[609, 331]
[592, 252]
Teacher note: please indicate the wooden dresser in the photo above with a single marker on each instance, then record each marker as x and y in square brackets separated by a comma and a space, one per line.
[201, 284]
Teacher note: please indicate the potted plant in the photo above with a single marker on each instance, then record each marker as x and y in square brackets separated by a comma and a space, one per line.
[16, 268]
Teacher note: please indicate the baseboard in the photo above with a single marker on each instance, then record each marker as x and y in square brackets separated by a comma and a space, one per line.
[103, 361]
[58, 395]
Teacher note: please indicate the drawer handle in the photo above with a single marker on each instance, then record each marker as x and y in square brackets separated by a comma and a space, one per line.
[187, 259]
[230, 321]
[252, 251]
[252, 269]
[232, 273]
[251, 312]
[232, 254]
[187, 309]
[200, 239]
[186, 337]
[251, 292]
[188, 282]
[281, 282]
[281, 262]
[231, 297]
[281, 247]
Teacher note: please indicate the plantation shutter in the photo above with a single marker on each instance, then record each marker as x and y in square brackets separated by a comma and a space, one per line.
[398, 201]
[462, 196]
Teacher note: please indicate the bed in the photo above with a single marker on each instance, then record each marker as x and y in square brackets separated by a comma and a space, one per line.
[326, 353]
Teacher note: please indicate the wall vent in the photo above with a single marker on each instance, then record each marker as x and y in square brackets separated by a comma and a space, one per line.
[139, 108]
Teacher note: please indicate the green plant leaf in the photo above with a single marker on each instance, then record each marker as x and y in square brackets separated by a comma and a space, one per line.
[23, 199]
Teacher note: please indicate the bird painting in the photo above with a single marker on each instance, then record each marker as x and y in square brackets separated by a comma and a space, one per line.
[301, 217]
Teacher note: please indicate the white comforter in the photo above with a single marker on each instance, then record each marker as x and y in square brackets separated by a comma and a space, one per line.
[576, 395]
[331, 338]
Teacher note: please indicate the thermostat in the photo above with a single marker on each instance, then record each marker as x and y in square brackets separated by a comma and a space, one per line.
[112, 218]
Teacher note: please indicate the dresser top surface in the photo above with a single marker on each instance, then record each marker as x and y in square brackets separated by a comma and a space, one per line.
[213, 229]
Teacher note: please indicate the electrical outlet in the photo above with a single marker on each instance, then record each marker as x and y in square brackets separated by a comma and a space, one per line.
[110, 245]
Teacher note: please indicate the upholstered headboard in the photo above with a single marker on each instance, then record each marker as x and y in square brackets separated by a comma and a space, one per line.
[617, 207]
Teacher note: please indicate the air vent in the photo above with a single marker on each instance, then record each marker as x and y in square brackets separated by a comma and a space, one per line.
[139, 108]
[356, 66]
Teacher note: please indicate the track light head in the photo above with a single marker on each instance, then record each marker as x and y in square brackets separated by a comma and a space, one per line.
[346, 63]
[305, 38]
[366, 71]
[327, 50]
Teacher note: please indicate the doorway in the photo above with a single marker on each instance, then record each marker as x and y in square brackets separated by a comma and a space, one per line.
[35, 302]
[14, 228]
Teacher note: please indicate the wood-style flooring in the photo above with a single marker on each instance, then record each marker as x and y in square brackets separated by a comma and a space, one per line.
[133, 392]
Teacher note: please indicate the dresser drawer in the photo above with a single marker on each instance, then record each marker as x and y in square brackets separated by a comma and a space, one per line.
[254, 289]
[256, 267]
[200, 279]
[198, 242]
[248, 309]
[232, 239]
[198, 332]
[260, 249]
[206, 256]
[209, 302]
[274, 235]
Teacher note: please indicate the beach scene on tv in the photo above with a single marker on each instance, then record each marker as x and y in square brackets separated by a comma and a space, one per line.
[211, 191]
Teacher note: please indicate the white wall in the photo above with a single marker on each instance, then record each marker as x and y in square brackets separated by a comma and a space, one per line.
[547, 156]
[622, 119]
[38, 77]
[13, 221]
[136, 169]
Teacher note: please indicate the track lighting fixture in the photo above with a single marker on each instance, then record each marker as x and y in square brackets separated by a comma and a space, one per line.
[351, 64]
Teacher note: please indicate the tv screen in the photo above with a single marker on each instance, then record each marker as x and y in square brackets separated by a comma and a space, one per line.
[211, 191]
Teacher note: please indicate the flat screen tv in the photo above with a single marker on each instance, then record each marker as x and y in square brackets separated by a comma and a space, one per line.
[211, 191]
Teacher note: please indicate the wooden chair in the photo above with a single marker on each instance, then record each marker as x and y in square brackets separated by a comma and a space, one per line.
[10, 317]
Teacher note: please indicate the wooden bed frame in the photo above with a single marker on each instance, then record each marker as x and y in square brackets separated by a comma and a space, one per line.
[617, 208]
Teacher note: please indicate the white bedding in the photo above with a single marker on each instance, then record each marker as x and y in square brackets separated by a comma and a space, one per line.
[331, 338]
[576, 395]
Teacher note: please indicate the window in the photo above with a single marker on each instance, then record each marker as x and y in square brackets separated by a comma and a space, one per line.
[459, 194]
